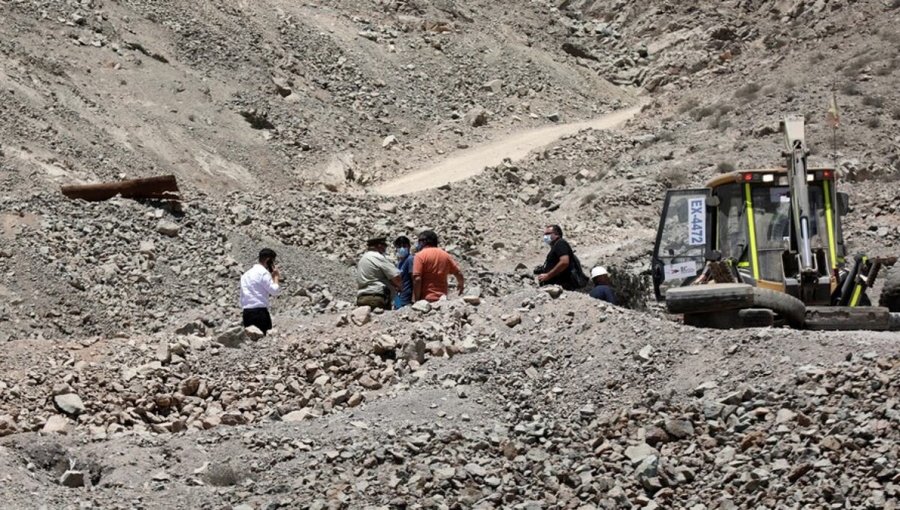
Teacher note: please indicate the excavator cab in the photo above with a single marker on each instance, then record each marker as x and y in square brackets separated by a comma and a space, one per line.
[682, 240]
[775, 236]
[745, 219]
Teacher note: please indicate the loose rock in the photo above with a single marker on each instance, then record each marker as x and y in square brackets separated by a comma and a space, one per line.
[69, 403]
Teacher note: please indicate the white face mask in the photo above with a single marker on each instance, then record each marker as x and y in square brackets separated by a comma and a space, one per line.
[547, 239]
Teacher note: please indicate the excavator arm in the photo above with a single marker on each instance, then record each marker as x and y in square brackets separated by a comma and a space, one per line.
[796, 152]
[808, 275]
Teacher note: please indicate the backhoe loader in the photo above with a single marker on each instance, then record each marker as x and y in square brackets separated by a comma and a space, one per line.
[765, 247]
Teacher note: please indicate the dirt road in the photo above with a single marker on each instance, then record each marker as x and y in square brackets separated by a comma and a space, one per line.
[515, 146]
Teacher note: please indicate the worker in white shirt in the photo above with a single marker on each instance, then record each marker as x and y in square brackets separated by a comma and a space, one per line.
[257, 285]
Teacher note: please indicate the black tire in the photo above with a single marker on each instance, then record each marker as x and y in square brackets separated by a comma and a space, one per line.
[725, 319]
[699, 299]
[756, 318]
[732, 319]
[890, 293]
[704, 299]
[789, 307]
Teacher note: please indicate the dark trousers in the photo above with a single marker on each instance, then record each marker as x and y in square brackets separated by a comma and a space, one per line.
[373, 301]
[258, 317]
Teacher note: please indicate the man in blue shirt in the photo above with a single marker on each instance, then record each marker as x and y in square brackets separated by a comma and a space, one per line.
[405, 265]
[602, 286]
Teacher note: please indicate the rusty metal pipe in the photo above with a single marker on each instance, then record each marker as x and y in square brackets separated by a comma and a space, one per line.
[162, 187]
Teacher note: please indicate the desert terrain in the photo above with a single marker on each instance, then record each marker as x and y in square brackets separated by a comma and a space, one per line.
[308, 127]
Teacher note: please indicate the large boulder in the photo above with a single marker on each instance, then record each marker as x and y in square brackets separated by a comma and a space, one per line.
[233, 337]
[361, 315]
[476, 117]
[168, 228]
[69, 403]
[414, 350]
[7, 425]
[254, 333]
[56, 424]
[384, 345]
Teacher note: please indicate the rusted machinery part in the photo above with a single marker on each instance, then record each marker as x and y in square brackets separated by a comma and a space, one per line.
[162, 187]
[846, 318]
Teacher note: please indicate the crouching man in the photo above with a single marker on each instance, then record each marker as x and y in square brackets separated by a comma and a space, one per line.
[377, 278]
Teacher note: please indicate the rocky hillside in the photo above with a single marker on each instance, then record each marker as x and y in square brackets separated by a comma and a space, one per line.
[227, 95]
[725, 74]
[125, 383]
[534, 399]
[234, 96]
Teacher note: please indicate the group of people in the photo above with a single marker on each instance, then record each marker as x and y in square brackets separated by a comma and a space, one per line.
[410, 277]
[395, 282]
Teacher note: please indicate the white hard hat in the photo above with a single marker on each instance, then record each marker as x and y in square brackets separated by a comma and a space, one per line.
[598, 271]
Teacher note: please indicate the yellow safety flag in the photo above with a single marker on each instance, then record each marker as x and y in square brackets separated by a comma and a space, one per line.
[834, 116]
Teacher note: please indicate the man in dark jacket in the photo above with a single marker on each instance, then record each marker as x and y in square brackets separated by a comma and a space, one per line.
[557, 268]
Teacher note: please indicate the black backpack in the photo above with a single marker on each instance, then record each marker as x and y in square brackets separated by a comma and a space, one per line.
[577, 276]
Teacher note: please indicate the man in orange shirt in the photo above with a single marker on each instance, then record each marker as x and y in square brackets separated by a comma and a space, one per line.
[430, 269]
